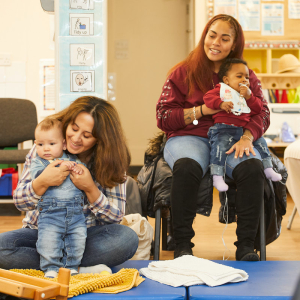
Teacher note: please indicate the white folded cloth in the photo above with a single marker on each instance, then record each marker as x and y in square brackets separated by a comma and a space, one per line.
[189, 270]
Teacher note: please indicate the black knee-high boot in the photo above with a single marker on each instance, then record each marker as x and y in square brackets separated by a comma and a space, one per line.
[249, 178]
[187, 174]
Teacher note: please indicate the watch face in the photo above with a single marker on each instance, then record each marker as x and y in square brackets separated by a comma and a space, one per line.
[48, 5]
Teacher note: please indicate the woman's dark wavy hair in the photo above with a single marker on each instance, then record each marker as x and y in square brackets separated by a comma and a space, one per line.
[227, 65]
[109, 157]
[199, 67]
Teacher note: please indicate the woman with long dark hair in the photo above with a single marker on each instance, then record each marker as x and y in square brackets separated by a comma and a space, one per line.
[183, 116]
[92, 130]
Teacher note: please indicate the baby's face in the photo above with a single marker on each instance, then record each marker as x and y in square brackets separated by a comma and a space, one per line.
[239, 73]
[49, 143]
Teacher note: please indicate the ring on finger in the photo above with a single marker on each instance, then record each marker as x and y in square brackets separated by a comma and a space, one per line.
[246, 149]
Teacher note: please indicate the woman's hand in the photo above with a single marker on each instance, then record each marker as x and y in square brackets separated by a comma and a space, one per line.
[51, 176]
[244, 145]
[82, 181]
[85, 182]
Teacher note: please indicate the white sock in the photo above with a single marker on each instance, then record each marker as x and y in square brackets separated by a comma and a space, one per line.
[95, 269]
[74, 272]
[51, 274]
[219, 183]
[271, 174]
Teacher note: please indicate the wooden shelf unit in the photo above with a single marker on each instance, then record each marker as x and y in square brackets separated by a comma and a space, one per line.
[263, 57]
[279, 81]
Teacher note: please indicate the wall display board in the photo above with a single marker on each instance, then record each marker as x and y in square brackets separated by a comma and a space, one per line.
[268, 15]
[80, 50]
[294, 9]
[227, 7]
[249, 15]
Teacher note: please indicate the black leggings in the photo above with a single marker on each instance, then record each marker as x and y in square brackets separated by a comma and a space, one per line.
[249, 178]
[187, 175]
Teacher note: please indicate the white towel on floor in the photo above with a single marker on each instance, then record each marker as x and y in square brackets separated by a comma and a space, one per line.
[189, 270]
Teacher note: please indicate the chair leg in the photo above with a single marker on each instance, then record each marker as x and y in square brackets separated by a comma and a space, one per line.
[291, 218]
[262, 232]
[164, 233]
[157, 234]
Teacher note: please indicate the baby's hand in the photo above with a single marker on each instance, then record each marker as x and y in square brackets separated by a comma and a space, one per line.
[77, 169]
[245, 92]
[69, 164]
[227, 106]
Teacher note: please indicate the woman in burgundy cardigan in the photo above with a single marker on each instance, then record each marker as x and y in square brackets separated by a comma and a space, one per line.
[183, 116]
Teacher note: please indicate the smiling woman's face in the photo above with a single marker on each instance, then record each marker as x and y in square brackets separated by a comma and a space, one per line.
[218, 43]
[79, 136]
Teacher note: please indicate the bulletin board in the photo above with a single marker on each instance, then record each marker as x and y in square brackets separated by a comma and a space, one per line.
[81, 55]
[290, 28]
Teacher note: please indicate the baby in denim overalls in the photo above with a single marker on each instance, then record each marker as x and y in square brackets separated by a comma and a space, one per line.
[238, 104]
[61, 224]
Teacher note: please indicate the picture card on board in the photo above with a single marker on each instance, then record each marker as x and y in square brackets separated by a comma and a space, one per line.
[82, 81]
[82, 54]
[81, 24]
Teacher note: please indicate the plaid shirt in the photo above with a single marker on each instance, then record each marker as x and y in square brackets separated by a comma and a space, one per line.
[108, 208]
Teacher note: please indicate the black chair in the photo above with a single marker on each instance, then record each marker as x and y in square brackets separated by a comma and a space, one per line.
[17, 124]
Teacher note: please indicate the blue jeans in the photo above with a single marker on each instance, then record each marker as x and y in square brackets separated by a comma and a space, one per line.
[198, 149]
[61, 232]
[222, 137]
[110, 244]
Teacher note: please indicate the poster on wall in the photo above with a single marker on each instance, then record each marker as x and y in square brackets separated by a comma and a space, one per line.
[81, 4]
[81, 24]
[272, 19]
[227, 7]
[249, 14]
[82, 81]
[82, 54]
[47, 87]
[294, 9]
